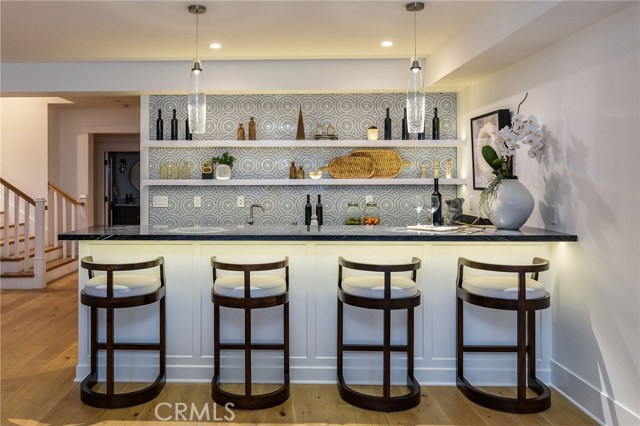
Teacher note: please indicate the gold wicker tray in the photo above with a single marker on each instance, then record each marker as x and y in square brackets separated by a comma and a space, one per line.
[351, 167]
[386, 164]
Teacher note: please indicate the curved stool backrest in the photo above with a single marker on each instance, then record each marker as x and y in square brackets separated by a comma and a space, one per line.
[248, 268]
[412, 267]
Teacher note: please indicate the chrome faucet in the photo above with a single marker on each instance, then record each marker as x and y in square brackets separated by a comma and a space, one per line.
[254, 206]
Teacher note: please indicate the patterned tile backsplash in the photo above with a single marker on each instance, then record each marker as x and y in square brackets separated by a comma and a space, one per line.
[276, 117]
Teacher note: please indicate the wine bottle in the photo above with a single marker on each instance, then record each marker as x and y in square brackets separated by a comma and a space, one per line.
[319, 211]
[307, 211]
[174, 127]
[252, 129]
[422, 135]
[387, 127]
[293, 171]
[435, 125]
[240, 132]
[159, 126]
[437, 215]
[187, 134]
[405, 130]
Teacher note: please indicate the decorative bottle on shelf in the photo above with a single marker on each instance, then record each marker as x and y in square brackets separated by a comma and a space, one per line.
[175, 171]
[387, 127]
[159, 126]
[435, 125]
[307, 211]
[241, 132]
[293, 172]
[252, 129]
[174, 127]
[319, 211]
[437, 215]
[164, 172]
[187, 134]
[300, 174]
[405, 130]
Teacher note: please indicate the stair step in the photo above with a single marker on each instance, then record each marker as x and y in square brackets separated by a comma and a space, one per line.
[11, 226]
[20, 239]
[57, 263]
[32, 253]
[23, 274]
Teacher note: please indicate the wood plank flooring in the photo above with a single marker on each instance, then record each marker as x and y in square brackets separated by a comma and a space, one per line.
[37, 367]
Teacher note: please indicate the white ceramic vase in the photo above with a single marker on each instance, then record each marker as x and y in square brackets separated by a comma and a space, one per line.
[512, 205]
[223, 172]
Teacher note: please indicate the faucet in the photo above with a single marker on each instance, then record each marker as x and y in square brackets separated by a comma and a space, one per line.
[254, 206]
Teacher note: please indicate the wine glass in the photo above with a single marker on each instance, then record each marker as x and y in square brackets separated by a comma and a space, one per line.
[432, 204]
[418, 205]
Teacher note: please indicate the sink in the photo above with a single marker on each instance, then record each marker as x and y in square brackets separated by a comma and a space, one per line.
[197, 230]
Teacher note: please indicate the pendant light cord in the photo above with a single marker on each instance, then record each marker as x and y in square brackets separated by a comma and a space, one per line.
[415, 36]
[197, 36]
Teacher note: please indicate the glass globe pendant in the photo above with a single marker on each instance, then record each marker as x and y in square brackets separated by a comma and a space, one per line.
[197, 103]
[415, 83]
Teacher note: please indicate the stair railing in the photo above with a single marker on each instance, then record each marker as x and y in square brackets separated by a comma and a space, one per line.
[21, 212]
[64, 214]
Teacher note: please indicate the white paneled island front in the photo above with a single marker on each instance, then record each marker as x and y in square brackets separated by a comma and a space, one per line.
[313, 255]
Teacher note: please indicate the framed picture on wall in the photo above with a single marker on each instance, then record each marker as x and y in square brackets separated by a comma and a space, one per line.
[482, 128]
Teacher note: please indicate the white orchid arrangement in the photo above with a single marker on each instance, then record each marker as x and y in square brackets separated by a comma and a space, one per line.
[521, 132]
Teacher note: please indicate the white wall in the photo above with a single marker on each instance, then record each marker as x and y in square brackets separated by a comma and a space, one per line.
[585, 91]
[74, 171]
[23, 143]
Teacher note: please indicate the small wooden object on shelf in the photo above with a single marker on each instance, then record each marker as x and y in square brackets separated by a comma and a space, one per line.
[207, 170]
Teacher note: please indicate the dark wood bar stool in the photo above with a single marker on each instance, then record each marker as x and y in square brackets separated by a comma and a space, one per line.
[386, 293]
[110, 292]
[250, 291]
[514, 292]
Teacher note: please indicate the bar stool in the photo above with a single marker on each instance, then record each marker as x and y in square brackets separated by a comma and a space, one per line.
[513, 293]
[248, 292]
[386, 293]
[119, 291]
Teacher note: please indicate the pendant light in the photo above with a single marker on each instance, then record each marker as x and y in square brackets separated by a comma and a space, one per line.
[197, 105]
[415, 86]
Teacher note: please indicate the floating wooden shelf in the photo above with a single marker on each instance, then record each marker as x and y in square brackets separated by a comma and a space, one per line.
[298, 182]
[305, 144]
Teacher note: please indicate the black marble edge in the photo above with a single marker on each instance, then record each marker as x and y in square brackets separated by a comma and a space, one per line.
[324, 237]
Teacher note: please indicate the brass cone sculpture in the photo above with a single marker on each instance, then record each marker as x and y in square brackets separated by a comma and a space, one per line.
[300, 134]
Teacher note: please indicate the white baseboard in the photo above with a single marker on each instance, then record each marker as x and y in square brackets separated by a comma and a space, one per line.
[596, 404]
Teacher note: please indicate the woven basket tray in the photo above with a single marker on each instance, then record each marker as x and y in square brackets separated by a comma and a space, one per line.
[386, 164]
[352, 167]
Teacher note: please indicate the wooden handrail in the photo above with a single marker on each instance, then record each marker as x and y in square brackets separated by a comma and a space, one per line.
[65, 195]
[17, 191]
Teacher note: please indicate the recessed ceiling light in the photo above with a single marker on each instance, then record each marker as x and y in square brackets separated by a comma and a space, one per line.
[215, 45]
[386, 44]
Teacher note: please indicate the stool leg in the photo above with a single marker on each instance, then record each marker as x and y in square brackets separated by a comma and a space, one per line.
[386, 382]
[216, 340]
[110, 352]
[522, 355]
[94, 340]
[340, 336]
[163, 337]
[286, 342]
[531, 335]
[459, 337]
[410, 327]
[247, 352]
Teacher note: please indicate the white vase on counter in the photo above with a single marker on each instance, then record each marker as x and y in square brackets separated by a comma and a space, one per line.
[223, 172]
[512, 205]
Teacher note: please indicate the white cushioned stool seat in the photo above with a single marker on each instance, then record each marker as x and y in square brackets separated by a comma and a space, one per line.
[372, 286]
[261, 286]
[502, 287]
[123, 285]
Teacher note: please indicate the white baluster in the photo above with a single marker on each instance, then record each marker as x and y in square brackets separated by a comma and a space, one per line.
[5, 236]
[73, 227]
[26, 235]
[54, 211]
[39, 262]
[64, 225]
[16, 224]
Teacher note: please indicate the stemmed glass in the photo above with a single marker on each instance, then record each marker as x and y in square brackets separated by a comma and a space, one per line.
[432, 204]
[418, 205]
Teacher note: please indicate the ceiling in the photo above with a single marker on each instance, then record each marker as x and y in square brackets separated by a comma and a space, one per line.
[464, 40]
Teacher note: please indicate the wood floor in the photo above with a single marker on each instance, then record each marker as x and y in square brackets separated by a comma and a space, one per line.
[39, 354]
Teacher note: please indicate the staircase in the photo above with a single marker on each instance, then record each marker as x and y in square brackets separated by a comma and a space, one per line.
[31, 254]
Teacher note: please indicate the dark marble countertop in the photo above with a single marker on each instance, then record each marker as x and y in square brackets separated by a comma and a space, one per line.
[304, 233]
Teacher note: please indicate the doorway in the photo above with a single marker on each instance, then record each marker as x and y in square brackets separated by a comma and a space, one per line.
[116, 183]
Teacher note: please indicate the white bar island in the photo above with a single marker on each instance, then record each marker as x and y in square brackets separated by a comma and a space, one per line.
[313, 255]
